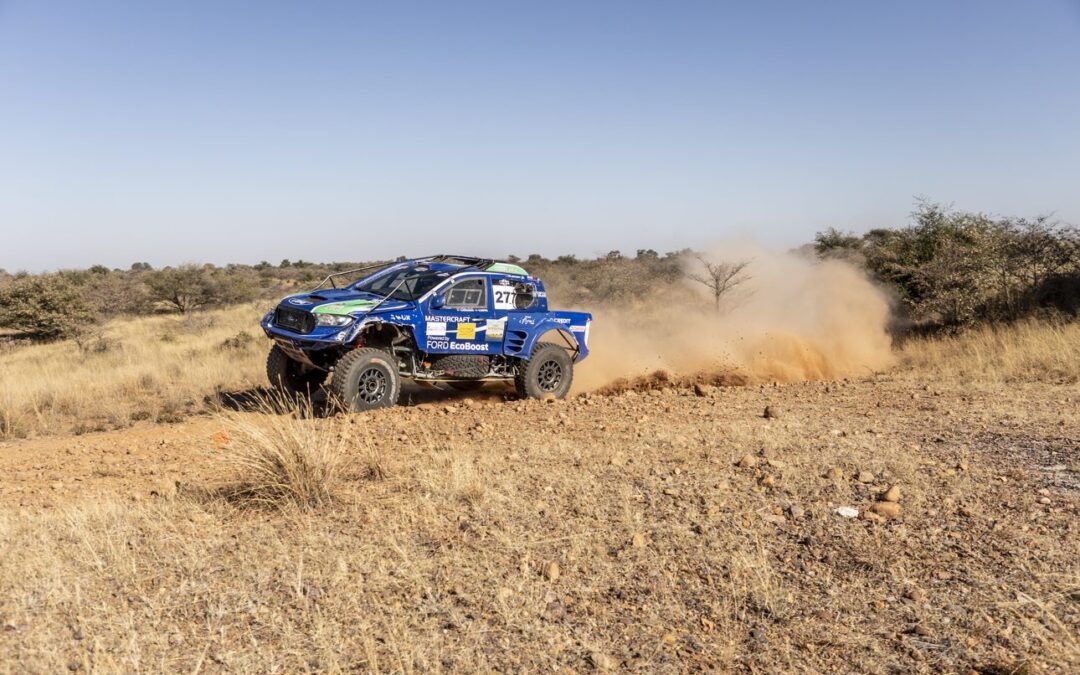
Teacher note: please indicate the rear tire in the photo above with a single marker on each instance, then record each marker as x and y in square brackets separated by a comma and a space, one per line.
[365, 379]
[549, 372]
[292, 377]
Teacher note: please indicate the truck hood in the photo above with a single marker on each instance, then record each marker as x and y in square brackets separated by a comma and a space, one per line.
[342, 301]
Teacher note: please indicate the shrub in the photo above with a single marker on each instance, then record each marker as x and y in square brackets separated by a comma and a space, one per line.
[44, 307]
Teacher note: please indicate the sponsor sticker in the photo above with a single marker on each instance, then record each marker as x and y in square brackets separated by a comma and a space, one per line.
[436, 329]
[466, 331]
[496, 329]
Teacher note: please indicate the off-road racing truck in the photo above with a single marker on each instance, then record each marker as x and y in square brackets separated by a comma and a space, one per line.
[447, 319]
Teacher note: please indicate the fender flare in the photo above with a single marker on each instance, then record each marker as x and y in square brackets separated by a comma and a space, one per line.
[573, 342]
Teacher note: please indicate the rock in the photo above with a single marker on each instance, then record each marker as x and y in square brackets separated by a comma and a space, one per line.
[703, 390]
[835, 473]
[768, 480]
[638, 540]
[774, 519]
[846, 512]
[865, 477]
[967, 512]
[796, 512]
[772, 412]
[962, 466]
[870, 516]
[551, 571]
[892, 494]
[915, 594]
[1044, 500]
[886, 509]
[601, 661]
[748, 461]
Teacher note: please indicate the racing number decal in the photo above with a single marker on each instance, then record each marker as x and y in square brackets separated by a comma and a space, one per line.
[504, 297]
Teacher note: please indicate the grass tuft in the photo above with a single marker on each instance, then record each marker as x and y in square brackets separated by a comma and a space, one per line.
[284, 456]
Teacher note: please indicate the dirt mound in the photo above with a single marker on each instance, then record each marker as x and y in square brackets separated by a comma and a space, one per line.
[659, 380]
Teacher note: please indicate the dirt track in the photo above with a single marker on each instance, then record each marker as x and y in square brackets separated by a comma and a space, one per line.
[661, 524]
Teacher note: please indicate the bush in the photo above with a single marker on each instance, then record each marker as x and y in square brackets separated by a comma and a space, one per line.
[46, 307]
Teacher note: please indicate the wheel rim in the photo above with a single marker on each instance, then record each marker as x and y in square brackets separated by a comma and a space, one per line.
[549, 375]
[371, 387]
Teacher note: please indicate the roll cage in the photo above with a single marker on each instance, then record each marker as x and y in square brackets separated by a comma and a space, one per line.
[467, 262]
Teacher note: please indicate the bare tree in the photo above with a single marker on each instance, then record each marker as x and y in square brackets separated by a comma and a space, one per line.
[720, 277]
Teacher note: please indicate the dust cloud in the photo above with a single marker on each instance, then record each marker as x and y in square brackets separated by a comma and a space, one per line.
[794, 318]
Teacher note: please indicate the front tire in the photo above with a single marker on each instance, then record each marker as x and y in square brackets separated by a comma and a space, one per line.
[365, 379]
[549, 373]
[292, 377]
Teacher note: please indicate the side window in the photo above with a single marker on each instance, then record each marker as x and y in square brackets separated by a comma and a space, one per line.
[515, 296]
[468, 294]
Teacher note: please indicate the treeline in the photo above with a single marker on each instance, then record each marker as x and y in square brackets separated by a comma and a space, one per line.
[952, 269]
[948, 269]
[61, 304]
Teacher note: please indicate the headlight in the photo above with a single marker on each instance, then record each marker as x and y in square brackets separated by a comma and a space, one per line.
[332, 320]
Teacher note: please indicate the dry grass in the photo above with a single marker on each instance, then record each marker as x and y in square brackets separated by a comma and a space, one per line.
[283, 454]
[153, 368]
[1029, 351]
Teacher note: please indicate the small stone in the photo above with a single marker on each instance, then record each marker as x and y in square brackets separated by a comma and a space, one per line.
[703, 390]
[772, 412]
[886, 509]
[835, 473]
[865, 477]
[166, 489]
[892, 494]
[796, 512]
[962, 466]
[551, 571]
[967, 512]
[748, 461]
[768, 480]
[1044, 500]
[847, 512]
[638, 540]
[915, 594]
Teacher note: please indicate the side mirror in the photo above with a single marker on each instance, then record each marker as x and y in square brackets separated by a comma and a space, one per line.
[438, 301]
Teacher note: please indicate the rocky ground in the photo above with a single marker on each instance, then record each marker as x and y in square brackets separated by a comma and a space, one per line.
[879, 525]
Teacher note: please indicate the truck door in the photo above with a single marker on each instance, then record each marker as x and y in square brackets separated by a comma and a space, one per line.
[459, 317]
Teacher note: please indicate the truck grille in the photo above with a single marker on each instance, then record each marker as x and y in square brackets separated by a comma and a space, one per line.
[296, 320]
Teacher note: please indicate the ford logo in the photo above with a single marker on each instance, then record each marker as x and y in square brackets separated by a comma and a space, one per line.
[298, 301]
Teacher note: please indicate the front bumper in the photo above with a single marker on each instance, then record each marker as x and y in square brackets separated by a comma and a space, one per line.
[322, 337]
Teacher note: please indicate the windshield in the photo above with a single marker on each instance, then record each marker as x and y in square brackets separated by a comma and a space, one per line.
[413, 283]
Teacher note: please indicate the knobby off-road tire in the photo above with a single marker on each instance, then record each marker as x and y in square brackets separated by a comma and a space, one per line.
[549, 372]
[365, 379]
[292, 377]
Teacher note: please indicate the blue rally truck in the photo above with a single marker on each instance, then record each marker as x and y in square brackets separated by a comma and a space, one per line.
[441, 319]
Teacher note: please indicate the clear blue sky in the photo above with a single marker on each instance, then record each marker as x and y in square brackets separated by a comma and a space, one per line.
[239, 131]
